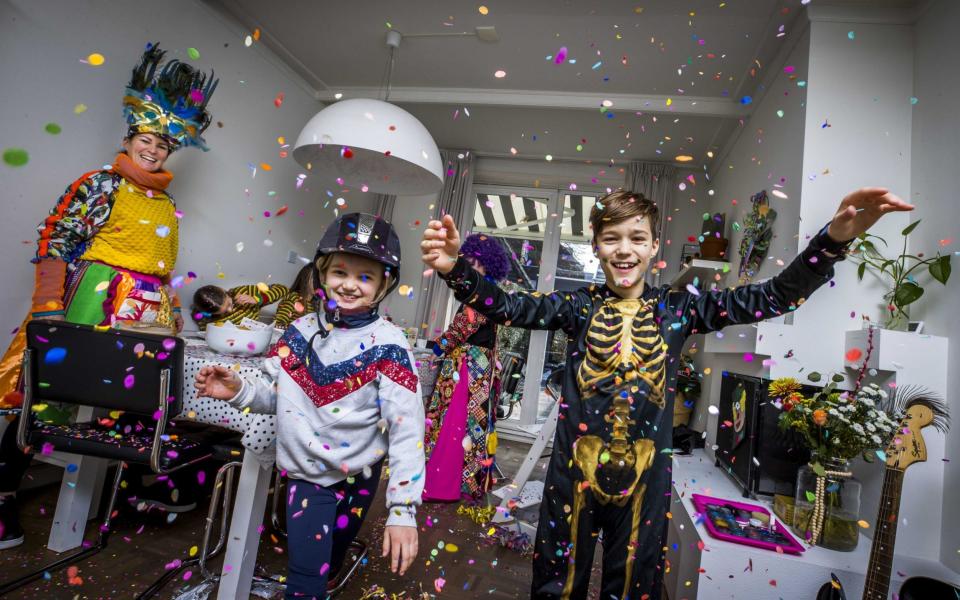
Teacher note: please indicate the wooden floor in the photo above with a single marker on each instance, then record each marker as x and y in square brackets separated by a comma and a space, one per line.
[143, 545]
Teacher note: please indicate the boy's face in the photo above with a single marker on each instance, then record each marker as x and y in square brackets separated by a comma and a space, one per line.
[625, 250]
[353, 281]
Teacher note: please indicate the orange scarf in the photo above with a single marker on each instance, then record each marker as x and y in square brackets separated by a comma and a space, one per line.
[139, 176]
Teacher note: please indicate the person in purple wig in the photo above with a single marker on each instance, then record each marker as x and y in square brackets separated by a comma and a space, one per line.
[462, 411]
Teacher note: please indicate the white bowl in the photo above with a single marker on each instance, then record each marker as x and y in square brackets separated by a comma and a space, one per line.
[228, 339]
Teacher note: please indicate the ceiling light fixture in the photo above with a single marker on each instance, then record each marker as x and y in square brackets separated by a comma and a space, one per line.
[372, 143]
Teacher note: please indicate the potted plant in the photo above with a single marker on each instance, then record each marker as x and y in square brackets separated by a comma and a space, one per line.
[837, 426]
[902, 271]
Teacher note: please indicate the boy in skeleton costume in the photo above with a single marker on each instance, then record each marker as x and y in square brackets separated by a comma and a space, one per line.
[608, 471]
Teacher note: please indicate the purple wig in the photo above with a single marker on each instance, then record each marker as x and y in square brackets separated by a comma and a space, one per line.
[488, 253]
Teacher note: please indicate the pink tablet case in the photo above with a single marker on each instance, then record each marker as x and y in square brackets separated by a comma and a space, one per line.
[700, 502]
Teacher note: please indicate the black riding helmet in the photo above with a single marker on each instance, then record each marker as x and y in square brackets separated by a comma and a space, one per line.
[365, 235]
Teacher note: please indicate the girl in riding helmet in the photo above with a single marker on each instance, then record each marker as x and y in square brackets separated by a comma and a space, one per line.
[342, 383]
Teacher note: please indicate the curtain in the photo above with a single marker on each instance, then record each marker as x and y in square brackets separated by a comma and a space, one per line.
[455, 199]
[655, 182]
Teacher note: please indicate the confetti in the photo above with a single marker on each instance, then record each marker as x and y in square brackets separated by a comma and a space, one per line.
[16, 157]
[193, 53]
[95, 59]
[52, 128]
[483, 10]
[500, 74]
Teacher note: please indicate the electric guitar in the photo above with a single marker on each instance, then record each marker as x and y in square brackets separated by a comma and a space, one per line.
[906, 448]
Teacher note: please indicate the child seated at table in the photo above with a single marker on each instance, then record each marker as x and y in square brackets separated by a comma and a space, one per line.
[299, 300]
[342, 383]
[213, 304]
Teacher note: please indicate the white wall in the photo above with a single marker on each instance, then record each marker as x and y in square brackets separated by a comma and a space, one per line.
[934, 182]
[41, 43]
[769, 151]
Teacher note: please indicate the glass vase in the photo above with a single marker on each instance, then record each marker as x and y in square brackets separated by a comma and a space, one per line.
[841, 506]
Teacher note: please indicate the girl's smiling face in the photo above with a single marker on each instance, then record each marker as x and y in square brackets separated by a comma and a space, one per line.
[147, 151]
[625, 250]
[353, 281]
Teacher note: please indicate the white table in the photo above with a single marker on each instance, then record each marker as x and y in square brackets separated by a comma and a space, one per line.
[723, 569]
[259, 436]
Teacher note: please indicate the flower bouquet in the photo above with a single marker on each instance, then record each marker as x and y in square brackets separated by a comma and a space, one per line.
[837, 426]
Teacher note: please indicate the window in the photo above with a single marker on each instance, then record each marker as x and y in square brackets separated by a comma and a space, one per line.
[547, 235]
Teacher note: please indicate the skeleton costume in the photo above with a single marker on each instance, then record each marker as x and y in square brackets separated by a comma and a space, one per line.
[610, 468]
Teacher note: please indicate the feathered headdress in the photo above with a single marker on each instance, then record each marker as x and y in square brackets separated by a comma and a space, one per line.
[168, 100]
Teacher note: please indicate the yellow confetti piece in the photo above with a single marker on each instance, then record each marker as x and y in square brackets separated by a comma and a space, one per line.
[863, 524]
[194, 550]
[79, 109]
[483, 10]
[451, 548]
[101, 286]
[263, 287]
[283, 352]
[115, 414]
[95, 59]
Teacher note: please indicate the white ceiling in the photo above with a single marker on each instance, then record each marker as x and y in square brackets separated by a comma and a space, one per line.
[698, 53]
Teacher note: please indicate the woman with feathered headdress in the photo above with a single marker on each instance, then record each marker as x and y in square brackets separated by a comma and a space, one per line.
[109, 246]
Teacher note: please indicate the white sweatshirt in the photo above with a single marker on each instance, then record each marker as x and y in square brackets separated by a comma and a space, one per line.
[342, 405]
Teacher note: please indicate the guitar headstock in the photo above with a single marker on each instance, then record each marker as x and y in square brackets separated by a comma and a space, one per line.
[907, 446]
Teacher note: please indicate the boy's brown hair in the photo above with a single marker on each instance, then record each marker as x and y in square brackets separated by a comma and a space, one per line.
[622, 205]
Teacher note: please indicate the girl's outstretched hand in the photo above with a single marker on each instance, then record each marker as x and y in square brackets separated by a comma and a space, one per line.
[217, 382]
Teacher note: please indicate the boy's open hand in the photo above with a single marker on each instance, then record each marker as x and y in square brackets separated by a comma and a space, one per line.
[861, 209]
[441, 245]
[400, 543]
[217, 382]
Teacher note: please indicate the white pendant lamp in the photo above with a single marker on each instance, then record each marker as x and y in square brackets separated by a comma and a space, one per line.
[372, 143]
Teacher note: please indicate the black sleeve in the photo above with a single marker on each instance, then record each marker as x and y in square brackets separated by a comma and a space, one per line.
[711, 311]
[528, 310]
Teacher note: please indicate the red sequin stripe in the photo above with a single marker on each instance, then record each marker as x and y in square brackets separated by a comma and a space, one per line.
[321, 395]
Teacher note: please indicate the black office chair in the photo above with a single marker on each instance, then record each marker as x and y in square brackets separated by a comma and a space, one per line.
[140, 374]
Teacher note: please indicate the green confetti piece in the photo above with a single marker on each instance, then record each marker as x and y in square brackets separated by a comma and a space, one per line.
[52, 129]
[193, 53]
[818, 469]
[811, 497]
[736, 226]
[16, 157]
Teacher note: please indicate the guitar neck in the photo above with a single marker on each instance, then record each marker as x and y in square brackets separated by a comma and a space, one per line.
[885, 537]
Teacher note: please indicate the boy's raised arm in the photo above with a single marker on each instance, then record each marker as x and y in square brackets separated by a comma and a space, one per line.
[859, 210]
[529, 310]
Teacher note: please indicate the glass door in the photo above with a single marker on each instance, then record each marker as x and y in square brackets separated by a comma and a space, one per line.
[546, 234]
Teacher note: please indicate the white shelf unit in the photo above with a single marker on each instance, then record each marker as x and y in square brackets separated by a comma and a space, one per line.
[723, 569]
[703, 271]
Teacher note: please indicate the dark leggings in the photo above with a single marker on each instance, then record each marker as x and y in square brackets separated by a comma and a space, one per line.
[321, 523]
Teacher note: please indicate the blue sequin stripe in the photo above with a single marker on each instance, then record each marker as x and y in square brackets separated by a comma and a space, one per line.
[325, 375]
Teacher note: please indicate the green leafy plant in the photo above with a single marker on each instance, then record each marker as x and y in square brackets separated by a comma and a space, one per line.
[902, 270]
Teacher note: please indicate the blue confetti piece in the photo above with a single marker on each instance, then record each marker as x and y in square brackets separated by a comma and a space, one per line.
[55, 356]
[597, 65]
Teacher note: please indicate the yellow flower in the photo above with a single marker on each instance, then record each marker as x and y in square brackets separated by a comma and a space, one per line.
[783, 387]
